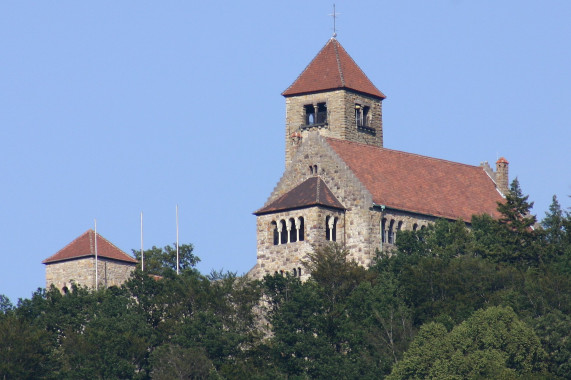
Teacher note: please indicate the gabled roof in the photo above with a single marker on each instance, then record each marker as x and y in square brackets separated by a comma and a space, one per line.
[84, 246]
[332, 68]
[420, 184]
[311, 192]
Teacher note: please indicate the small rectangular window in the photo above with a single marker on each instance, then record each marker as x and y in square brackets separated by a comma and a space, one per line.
[309, 114]
[321, 113]
[363, 119]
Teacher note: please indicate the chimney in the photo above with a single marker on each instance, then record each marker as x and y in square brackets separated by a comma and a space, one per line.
[502, 179]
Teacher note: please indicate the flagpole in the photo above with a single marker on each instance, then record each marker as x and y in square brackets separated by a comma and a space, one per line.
[96, 269]
[177, 265]
[142, 253]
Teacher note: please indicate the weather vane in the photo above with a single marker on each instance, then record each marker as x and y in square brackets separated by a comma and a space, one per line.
[334, 15]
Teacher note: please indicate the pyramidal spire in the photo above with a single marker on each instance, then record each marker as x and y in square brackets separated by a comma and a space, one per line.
[332, 68]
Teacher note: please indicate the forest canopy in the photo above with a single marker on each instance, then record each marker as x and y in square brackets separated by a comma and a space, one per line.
[489, 301]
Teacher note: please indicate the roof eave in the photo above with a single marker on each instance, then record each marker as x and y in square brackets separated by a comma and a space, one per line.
[261, 212]
[435, 215]
[48, 261]
[301, 93]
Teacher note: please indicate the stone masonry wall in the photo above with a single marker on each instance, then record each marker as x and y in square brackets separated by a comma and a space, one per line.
[286, 257]
[314, 150]
[82, 272]
[352, 133]
[340, 119]
[406, 220]
[362, 223]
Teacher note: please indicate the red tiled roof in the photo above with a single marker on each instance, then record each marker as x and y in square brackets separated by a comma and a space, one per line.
[420, 184]
[311, 192]
[502, 160]
[332, 68]
[84, 246]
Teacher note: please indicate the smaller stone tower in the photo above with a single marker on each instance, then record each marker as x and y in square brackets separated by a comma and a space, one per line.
[335, 97]
[502, 178]
[76, 263]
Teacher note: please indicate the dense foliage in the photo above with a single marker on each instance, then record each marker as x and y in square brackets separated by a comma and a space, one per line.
[491, 301]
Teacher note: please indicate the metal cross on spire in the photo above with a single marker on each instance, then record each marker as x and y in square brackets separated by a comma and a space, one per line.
[334, 15]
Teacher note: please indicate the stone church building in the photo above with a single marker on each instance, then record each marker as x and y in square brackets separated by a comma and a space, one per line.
[341, 185]
[76, 263]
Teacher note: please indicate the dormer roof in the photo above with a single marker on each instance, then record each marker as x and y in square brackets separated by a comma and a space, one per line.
[331, 69]
[311, 192]
[84, 246]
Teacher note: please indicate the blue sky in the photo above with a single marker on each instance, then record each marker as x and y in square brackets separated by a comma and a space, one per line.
[111, 108]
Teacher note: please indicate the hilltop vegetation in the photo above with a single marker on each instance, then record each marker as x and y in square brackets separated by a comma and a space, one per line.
[492, 301]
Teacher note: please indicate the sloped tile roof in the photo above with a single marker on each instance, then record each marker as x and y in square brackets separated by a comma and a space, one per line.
[332, 68]
[84, 246]
[311, 192]
[420, 184]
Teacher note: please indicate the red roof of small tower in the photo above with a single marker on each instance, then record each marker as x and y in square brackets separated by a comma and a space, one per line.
[311, 192]
[502, 160]
[332, 68]
[84, 246]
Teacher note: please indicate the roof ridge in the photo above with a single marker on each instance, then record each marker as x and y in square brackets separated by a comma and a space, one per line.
[67, 245]
[307, 67]
[91, 241]
[361, 70]
[338, 62]
[403, 152]
[114, 246]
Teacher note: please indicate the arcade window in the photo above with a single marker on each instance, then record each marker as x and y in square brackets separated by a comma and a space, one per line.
[315, 115]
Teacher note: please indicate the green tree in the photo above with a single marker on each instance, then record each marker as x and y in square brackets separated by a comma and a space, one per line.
[487, 233]
[429, 346]
[159, 260]
[332, 270]
[553, 331]
[517, 229]
[113, 342]
[492, 343]
[25, 350]
[313, 332]
[5, 305]
[379, 324]
[516, 210]
[172, 362]
[301, 327]
[553, 223]
[212, 315]
[448, 239]
[557, 236]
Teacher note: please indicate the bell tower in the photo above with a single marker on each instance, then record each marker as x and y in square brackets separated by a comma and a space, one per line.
[335, 97]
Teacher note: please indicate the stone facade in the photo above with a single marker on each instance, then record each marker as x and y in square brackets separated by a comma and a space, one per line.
[360, 228]
[350, 116]
[81, 271]
[287, 256]
[75, 263]
[320, 126]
